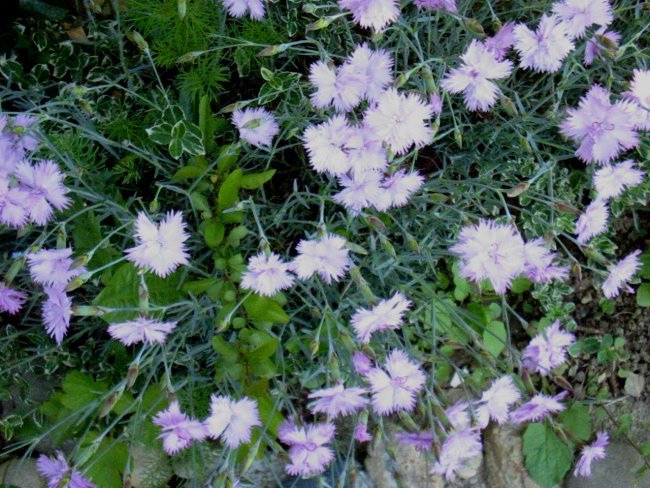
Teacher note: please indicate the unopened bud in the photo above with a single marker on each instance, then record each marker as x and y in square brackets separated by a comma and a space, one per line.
[509, 106]
[110, 403]
[474, 26]
[518, 189]
[273, 50]
[132, 375]
[139, 41]
[88, 311]
[314, 346]
[321, 23]
[182, 9]
[563, 382]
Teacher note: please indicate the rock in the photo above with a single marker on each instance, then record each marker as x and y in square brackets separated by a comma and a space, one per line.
[634, 385]
[21, 473]
[504, 458]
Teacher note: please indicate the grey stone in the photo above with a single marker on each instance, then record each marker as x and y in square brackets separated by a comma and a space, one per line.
[504, 458]
[634, 384]
[21, 473]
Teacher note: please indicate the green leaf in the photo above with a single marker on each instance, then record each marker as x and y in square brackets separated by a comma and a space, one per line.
[256, 180]
[494, 337]
[227, 157]
[81, 390]
[160, 134]
[108, 463]
[644, 272]
[643, 295]
[175, 148]
[192, 140]
[199, 286]
[213, 233]
[264, 346]
[173, 114]
[578, 421]
[264, 309]
[229, 191]
[546, 457]
[264, 368]
[227, 351]
[199, 201]
[188, 173]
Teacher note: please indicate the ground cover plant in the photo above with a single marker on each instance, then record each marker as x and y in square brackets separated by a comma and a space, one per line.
[248, 230]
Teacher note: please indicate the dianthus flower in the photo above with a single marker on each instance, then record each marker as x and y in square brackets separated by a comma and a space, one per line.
[43, 182]
[161, 248]
[308, 452]
[266, 275]
[577, 15]
[602, 40]
[374, 68]
[544, 49]
[326, 145]
[538, 408]
[491, 251]
[361, 363]
[620, 273]
[364, 151]
[361, 433]
[327, 257]
[234, 420]
[548, 349]
[448, 5]
[590, 453]
[141, 329]
[611, 180]
[457, 448]
[499, 44]
[539, 263]
[395, 390]
[474, 75]
[10, 156]
[59, 474]
[496, 400]
[238, 8]
[256, 126]
[57, 310]
[14, 203]
[387, 314]
[376, 14]
[22, 137]
[640, 88]
[362, 190]
[602, 128]
[52, 267]
[179, 431]
[11, 300]
[399, 120]
[593, 222]
[399, 187]
[458, 415]
[338, 400]
[342, 88]
[420, 441]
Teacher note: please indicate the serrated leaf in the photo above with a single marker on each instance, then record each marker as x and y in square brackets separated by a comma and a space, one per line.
[494, 337]
[643, 295]
[546, 457]
[256, 180]
[229, 191]
[264, 309]
[578, 421]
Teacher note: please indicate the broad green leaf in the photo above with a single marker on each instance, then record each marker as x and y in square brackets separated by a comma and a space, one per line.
[236, 235]
[644, 272]
[256, 180]
[643, 295]
[264, 346]
[188, 173]
[546, 457]
[160, 134]
[81, 390]
[264, 309]
[265, 368]
[178, 130]
[197, 287]
[108, 463]
[199, 201]
[192, 141]
[494, 337]
[175, 148]
[578, 421]
[228, 352]
[227, 157]
[229, 191]
[173, 114]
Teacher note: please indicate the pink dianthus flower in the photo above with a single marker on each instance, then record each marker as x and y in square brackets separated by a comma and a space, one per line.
[234, 420]
[590, 453]
[458, 448]
[266, 275]
[11, 300]
[141, 329]
[327, 257]
[538, 408]
[338, 400]
[547, 350]
[256, 126]
[387, 314]
[496, 400]
[593, 222]
[57, 310]
[611, 180]
[308, 452]
[59, 474]
[179, 431]
[620, 273]
[577, 15]
[544, 49]
[376, 14]
[238, 8]
[44, 184]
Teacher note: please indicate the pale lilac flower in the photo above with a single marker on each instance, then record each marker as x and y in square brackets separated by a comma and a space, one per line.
[374, 68]
[449, 5]
[590, 453]
[361, 363]
[234, 420]
[266, 275]
[57, 310]
[43, 182]
[420, 441]
[502, 41]
[611, 180]
[640, 88]
[620, 273]
[10, 156]
[362, 190]
[436, 103]
[399, 120]
[372, 13]
[399, 187]
[458, 415]
[603, 129]
[59, 474]
[599, 43]
[15, 203]
[387, 314]
[577, 15]
[365, 151]
[538, 408]
[256, 126]
[141, 329]
[343, 88]
[491, 251]
[472, 78]
[593, 222]
[496, 400]
[539, 263]
[544, 49]
[308, 452]
[328, 257]
[395, 390]
[326, 145]
[11, 300]
[22, 136]
[361, 433]
[52, 267]
[338, 400]
[238, 8]
[179, 430]
[457, 448]
[161, 248]
[547, 350]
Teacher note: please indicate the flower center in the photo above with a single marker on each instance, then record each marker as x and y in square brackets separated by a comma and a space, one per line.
[311, 446]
